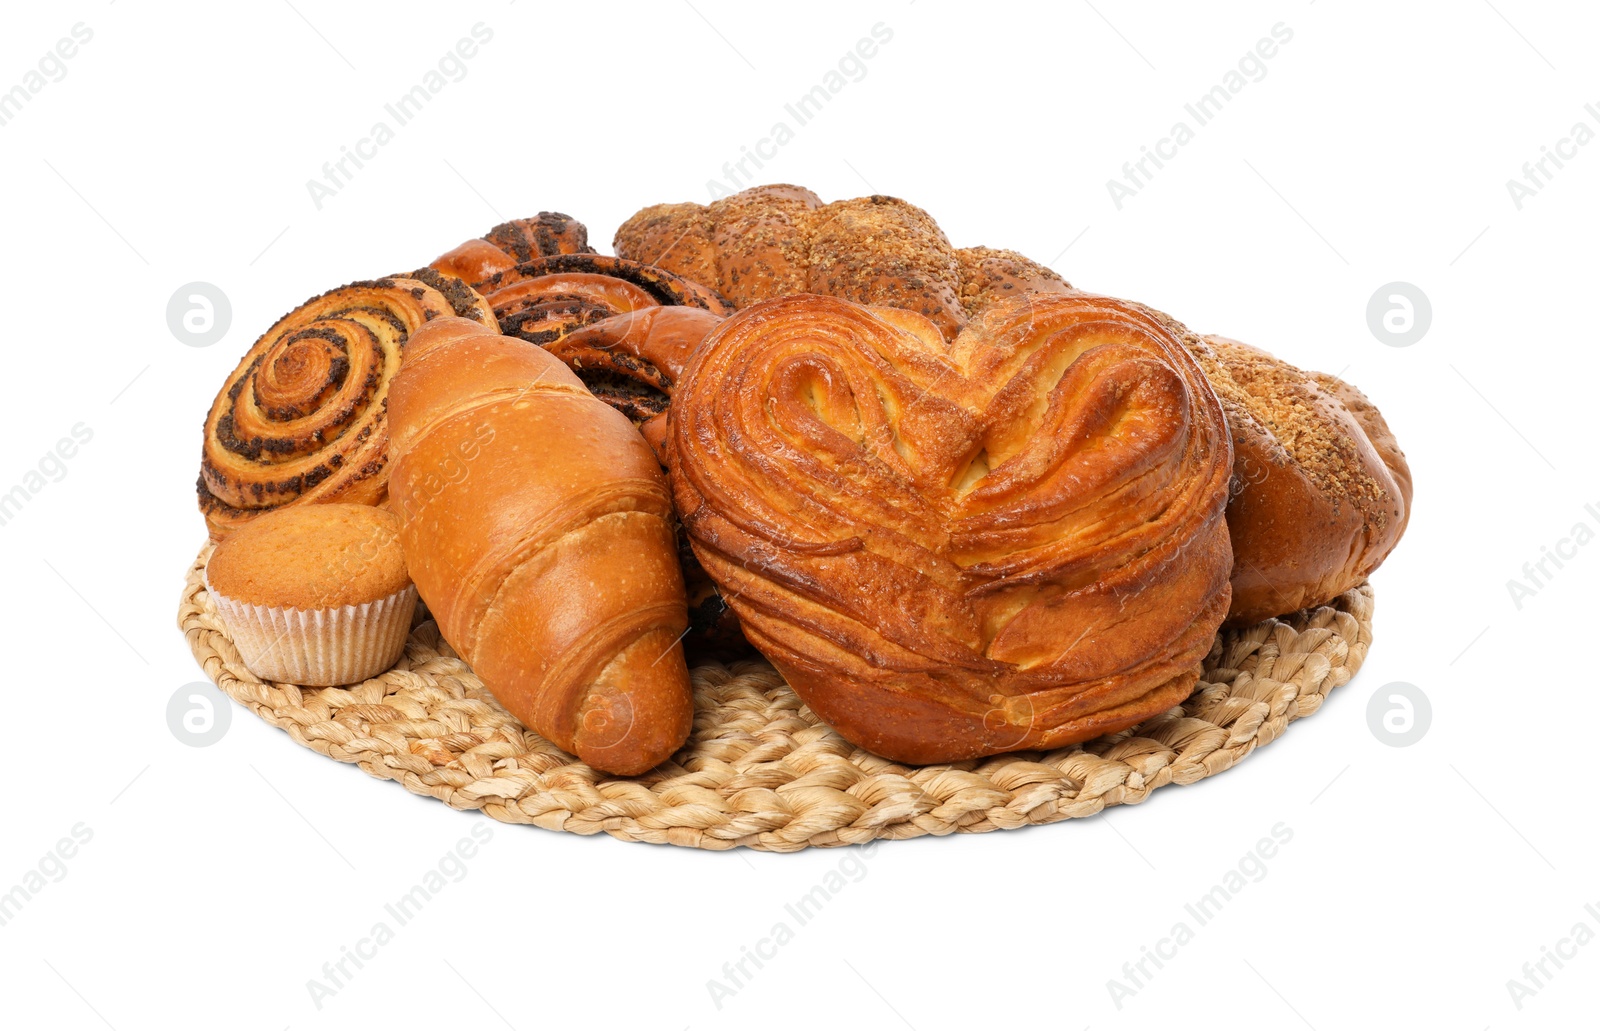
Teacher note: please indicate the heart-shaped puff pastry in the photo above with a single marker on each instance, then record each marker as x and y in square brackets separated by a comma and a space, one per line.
[1014, 540]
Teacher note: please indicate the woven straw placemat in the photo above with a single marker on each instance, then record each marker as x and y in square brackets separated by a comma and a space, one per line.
[760, 769]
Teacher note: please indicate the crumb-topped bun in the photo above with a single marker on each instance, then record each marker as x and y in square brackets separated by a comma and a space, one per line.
[1321, 491]
[315, 595]
[770, 241]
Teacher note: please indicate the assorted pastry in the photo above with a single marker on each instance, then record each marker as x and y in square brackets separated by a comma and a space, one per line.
[1011, 540]
[550, 561]
[317, 595]
[1320, 492]
[963, 507]
[302, 417]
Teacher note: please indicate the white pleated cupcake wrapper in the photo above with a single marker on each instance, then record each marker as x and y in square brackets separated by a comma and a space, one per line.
[320, 647]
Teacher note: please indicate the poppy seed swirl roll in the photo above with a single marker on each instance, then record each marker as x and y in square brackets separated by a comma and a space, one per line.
[303, 415]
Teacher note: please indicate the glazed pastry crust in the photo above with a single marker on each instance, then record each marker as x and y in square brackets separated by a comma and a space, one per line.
[537, 525]
[953, 549]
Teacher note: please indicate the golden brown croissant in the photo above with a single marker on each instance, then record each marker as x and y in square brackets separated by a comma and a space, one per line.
[1014, 540]
[627, 330]
[537, 525]
[769, 241]
[1321, 490]
[509, 244]
[303, 416]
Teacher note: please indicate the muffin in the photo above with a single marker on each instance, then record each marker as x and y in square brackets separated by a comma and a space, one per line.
[315, 595]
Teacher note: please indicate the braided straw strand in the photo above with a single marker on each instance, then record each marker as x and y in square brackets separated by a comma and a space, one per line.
[760, 770]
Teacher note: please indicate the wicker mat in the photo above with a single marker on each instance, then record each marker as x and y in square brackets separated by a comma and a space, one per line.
[760, 770]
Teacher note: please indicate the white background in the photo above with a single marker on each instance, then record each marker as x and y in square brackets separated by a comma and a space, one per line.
[219, 880]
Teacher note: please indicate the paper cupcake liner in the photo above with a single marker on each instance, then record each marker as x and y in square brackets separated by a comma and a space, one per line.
[320, 647]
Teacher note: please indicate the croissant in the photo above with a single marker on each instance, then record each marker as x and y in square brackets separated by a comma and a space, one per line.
[303, 415]
[538, 528]
[1013, 540]
[509, 244]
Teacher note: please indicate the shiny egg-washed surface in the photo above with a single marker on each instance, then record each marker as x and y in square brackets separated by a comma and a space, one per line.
[953, 549]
